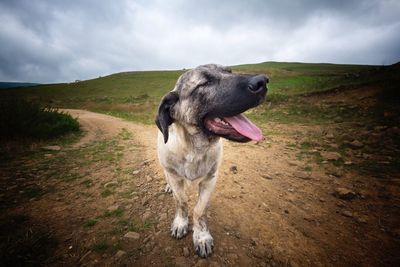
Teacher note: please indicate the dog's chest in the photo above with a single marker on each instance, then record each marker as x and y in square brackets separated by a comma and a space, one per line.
[194, 165]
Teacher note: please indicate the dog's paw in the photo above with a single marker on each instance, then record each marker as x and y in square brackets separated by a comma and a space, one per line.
[168, 189]
[179, 227]
[203, 243]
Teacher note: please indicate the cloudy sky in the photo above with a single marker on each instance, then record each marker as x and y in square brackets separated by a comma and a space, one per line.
[61, 41]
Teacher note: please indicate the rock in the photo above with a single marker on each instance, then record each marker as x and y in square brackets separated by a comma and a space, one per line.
[344, 193]
[110, 184]
[52, 148]
[237, 235]
[233, 169]
[362, 219]
[48, 155]
[163, 217]
[136, 172]
[337, 173]
[374, 139]
[147, 239]
[330, 136]
[120, 254]
[265, 176]
[144, 201]
[330, 155]
[186, 252]
[347, 213]
[132, 235]
[149, 178]
[340, 205]
[146, 162]
[254, 241]
[149, 247]
[356, 144]
[338, 119]
[302, 175]
[113, 207]
[146, 215]
[334, 146]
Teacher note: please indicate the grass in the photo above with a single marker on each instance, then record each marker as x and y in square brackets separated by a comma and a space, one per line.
[106, 193]
[20, 118]
[100, 246]
[90, 223]
[134, 226]
[25, 244]
[69, 177]
[378, 169]
[134, 96]
[300, 111]
[128, 193]
[87, 183]
[115, 213]
[125, 134]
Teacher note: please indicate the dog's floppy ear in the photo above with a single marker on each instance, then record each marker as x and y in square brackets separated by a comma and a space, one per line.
[164, 119]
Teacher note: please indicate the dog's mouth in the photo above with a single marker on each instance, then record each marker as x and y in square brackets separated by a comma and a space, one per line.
[237, 128]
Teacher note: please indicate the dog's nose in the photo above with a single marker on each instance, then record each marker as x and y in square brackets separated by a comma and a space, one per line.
[258, 83]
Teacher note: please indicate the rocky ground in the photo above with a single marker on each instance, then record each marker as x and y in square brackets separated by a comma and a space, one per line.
[307, 195]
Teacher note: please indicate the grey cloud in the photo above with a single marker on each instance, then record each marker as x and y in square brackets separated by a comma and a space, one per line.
[53, 41]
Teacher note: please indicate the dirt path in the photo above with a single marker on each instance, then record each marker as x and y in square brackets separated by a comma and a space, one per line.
[271, 207]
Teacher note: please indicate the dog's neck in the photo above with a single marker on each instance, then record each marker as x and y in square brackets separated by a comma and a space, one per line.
[193, 138]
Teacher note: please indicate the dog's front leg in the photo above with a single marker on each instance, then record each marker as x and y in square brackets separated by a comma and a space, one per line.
[202, 239]
[179, 227]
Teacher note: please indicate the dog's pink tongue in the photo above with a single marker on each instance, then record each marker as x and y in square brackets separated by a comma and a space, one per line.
[245, 127]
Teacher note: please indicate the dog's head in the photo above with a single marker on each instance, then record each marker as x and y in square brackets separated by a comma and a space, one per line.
[209, 100]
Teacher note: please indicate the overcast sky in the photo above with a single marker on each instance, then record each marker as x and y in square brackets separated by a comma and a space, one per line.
[61, 41]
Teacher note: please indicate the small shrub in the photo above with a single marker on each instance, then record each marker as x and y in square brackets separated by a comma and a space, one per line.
[100, 246]
[115, 213]
[87, 183]
[21, 118]
[107, 192]
[90, 223]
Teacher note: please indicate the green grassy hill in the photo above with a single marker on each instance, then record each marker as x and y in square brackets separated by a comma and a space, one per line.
[4, 85]
[135, 95]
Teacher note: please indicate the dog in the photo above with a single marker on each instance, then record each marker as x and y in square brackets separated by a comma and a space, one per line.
[205, 105]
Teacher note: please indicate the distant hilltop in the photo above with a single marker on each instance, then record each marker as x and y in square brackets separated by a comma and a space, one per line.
[5, 85]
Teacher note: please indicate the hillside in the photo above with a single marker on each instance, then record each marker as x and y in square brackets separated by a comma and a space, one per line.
[4, 85]
[135, 95]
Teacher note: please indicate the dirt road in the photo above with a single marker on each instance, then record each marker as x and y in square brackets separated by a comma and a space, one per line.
[273, 205]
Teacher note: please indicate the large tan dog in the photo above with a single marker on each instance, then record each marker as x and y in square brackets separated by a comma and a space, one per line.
[205, 104]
